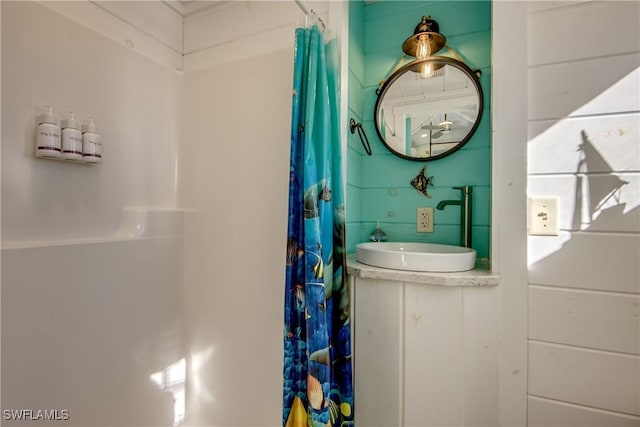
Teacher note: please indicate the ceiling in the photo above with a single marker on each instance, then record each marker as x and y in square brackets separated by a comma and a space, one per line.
[189, 7]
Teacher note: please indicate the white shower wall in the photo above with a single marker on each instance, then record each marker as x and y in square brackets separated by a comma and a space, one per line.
[85, 326]
[90, 309]
[237, 184]
[48, 59]
[237, 132]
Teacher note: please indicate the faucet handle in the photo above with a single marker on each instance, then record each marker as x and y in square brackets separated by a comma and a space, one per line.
[466, 189]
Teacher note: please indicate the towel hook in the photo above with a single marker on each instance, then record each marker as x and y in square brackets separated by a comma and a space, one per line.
[363, 136]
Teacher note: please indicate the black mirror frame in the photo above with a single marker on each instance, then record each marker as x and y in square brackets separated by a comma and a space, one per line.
[473, 76]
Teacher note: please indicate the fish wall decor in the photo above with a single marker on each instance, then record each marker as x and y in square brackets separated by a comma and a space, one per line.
[421, 182]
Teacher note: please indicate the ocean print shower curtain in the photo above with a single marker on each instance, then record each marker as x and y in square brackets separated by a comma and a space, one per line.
[317, 387]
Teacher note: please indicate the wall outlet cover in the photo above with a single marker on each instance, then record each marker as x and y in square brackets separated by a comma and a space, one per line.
[424, 220]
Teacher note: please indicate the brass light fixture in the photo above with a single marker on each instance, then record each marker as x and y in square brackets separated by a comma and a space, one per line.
[426, 39]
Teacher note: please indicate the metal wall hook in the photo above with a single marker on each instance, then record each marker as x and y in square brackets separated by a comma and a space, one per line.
[353, 126]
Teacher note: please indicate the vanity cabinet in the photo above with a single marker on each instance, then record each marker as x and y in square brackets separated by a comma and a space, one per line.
[425, 355]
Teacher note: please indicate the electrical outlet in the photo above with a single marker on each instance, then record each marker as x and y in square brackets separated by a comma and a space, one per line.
[543, 216]
[424, 220]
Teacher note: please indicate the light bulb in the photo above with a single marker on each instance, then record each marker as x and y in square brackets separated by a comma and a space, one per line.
[426, 71]
[423, 49]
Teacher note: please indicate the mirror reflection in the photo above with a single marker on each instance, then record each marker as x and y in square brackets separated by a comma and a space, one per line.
[428, 108]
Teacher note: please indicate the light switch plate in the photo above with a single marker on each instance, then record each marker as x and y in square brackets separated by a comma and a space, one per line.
[543, 216]
[424, 220]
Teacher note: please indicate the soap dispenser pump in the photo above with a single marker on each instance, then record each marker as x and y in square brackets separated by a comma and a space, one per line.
[47, 139]
[71, 139]
[378, 235]
[91, 144]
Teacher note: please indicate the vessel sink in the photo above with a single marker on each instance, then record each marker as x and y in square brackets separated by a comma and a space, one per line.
[431, 257]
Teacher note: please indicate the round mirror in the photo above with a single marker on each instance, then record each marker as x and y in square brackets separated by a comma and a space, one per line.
[429, 108]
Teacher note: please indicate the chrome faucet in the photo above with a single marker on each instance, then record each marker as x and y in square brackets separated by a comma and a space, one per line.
[465, 204]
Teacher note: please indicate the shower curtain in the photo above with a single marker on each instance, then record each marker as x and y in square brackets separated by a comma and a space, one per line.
[317, 386]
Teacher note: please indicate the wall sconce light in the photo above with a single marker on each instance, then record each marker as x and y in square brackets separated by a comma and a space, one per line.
[426, 39]
[425, 42]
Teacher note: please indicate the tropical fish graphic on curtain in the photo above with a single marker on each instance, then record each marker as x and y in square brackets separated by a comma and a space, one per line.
[317, 387]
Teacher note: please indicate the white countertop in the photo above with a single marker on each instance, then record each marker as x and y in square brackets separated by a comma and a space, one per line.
[476, 277]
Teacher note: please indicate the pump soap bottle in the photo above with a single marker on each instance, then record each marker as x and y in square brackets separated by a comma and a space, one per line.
[71, 139]
[47, 141]
[91, 145]
[377, 235]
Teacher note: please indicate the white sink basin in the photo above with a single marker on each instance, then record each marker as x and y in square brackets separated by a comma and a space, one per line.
[431, 257]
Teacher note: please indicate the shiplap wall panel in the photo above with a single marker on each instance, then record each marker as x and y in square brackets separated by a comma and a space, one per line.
[152, 17]
[538, 6]
[222, 26]
[584, 147]
[242, 30]
[378, 338]
[433, 353]
[597, 261]
[586, 377]
[618, 199]
[564, 35]
[554, 145]
[549, 413]
[585, 318]
[116, 29]
[559, 90]
[247, 47]
[480, 352]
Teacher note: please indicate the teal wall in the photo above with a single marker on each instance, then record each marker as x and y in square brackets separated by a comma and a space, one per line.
[354, 226]
[378, 186]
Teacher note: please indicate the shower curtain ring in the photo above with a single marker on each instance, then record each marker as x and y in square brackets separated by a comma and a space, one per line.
[363, 136]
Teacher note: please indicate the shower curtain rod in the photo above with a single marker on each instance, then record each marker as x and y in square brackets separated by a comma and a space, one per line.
[311, 12]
